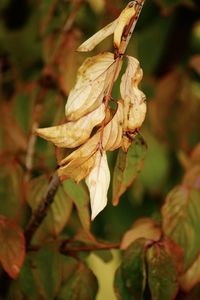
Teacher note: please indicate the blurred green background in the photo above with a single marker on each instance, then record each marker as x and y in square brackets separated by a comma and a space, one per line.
[38, 65]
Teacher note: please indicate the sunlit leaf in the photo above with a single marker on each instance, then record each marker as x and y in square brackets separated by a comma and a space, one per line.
[73, 134]
[93, 80]
[12, 250]
[98, 37]
[181, 214]
[162, 273]
[131, 275]
[79, 163]
[81, 285]
[127, 167]
[142, 228]
[134, 101]
[126, 15]
[98, 183]
[117, 27]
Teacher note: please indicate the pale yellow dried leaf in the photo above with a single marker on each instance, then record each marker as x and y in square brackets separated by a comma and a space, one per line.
[98, 183]
[133, 99]
[92, 82]
[98, 37]
[73, 134]
[78, 168]
[79, 163]
[123, 20]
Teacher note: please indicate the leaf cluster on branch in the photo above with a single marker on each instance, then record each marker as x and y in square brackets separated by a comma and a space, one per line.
[92, 126]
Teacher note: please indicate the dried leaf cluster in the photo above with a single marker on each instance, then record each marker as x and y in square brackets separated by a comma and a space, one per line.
[92, 127]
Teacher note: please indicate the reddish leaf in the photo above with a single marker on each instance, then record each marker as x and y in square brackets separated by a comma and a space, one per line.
[12, 250]
[142, 228]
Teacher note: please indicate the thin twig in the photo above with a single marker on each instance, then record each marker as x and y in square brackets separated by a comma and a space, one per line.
[129, 29]
[88, 248]
[72, 17]
[32, 138]
[41, 211]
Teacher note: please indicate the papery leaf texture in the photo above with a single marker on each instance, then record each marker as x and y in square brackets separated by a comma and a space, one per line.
[117, 27]
[123, 20]
[92, 82]
[80, 162]
[73, 134]
[134, 101]
[98, 37]
[98, 183]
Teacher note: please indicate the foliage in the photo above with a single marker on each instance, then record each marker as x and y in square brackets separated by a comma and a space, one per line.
[154, 171]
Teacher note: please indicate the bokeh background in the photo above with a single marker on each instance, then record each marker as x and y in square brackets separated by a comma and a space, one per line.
[38, 65]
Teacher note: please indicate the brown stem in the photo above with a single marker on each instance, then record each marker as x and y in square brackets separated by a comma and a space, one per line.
[129, 30]
[42, 209]
[90, 248]
[32, 139]
[119, 52]
[108, 98]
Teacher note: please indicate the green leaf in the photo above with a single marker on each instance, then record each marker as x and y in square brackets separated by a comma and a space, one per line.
[121, 291]
[162, 273]
[59, 212]
[81, 285]
[12, 249]
[131, 275]
[80, 198]
[151, 55]
[47, 272]
[181, 215]
[128, 166]
[22, 106]
[156, 166]
[26, 280]
[10, 198]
